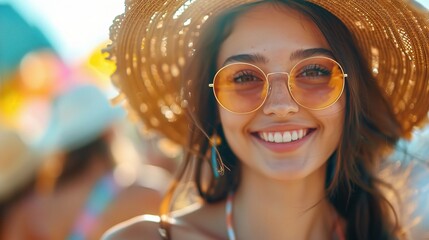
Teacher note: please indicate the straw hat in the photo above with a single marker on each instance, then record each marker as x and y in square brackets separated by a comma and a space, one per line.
[153, 40]
[18, 163]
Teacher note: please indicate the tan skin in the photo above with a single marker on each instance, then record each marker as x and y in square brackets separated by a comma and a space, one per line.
[291, 183]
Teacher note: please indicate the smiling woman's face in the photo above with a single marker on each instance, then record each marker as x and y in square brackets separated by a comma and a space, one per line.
[274, 39]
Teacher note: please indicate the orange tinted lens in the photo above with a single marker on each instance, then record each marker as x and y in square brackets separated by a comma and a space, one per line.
[240, 87]
[316, 83]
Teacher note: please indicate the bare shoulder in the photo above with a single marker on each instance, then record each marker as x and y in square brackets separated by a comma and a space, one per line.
[199, 222]
[140, 227]
[189, 223]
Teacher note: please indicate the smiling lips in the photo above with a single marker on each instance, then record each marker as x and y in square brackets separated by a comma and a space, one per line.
[283, 137]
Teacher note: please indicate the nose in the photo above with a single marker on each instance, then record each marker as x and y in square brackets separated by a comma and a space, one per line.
[279, 101]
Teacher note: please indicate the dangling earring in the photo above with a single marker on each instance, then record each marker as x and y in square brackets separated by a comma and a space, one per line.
[216, 164]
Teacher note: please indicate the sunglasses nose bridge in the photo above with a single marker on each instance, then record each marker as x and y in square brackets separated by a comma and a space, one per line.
[277, 76]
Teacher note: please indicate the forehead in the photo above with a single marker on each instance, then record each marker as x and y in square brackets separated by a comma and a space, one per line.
[272, 30]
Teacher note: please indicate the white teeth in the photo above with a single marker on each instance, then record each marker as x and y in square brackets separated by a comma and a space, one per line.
[283, 137]
[270, 137]
[278, 138]
[287, 137]
[294, 135]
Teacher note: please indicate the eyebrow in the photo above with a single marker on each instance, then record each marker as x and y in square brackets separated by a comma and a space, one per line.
[306, 53]
[247, 58]
[296, 55]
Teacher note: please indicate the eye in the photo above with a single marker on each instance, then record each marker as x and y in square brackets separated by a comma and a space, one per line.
[313, 70]
[247, 76]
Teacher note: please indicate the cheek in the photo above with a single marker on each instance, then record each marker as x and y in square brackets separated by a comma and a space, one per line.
[332, 119]
[336, 111]
[234, 126]
[230, 121]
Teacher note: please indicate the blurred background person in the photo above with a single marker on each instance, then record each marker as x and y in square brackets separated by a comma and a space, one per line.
[79, 193]
[105, 175]
[19, 164]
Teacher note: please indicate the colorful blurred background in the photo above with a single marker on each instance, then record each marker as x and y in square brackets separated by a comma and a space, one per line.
[51, 61]
[64, 144]
[68, 36]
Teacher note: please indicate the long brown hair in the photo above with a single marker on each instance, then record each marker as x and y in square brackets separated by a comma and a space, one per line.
[369, 130]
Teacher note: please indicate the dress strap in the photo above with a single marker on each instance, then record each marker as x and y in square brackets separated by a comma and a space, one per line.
[164, 227]
[100, 197]
[228, 215]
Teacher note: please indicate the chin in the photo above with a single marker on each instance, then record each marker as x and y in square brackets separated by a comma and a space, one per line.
[292, 170]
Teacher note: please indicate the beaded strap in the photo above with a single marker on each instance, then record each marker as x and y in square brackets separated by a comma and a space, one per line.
[228, 214]
[100, 197]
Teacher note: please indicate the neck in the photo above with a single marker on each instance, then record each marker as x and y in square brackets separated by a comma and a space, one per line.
[294, 209]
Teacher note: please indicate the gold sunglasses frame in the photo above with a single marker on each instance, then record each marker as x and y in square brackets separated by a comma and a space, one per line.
[266, 75]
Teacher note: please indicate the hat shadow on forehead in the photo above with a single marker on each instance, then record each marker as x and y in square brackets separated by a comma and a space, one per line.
[154, 40]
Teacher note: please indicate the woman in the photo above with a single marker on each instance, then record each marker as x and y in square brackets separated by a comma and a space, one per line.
[308, 97]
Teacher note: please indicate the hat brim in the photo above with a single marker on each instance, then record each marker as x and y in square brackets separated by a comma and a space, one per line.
[153, 40]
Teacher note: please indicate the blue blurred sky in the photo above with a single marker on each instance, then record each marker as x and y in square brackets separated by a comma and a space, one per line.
[76, 27]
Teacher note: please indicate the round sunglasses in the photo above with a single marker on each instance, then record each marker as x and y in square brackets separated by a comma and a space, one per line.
[314, 83]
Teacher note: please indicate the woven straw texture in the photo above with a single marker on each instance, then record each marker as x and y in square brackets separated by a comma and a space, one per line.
[153, 40]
